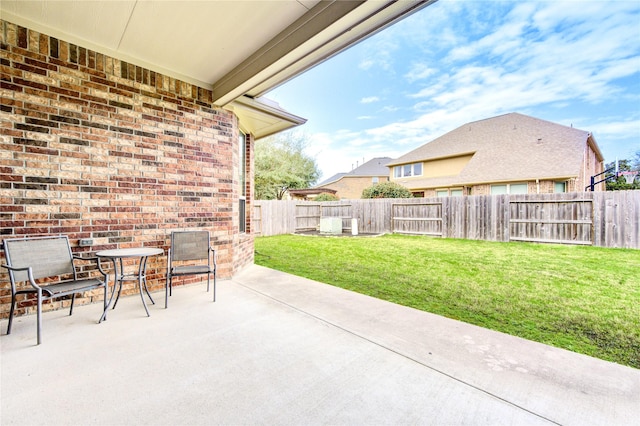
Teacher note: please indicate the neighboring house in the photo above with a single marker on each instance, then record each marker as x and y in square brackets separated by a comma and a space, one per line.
[121, 121]
[350, 185]
[511, 153]
[309, 193]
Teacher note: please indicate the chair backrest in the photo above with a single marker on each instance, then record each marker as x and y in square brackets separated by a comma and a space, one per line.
[190, 245]
[47, 256]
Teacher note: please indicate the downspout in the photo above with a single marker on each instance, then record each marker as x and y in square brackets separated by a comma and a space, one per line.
[584, 163]
[589, 160]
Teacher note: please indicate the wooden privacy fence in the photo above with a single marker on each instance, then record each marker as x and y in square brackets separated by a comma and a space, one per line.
[417, 218]
[557, 221]
[605, 219]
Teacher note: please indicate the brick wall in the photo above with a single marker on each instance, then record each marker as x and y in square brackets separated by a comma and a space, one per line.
[591, 167]
[95, 147]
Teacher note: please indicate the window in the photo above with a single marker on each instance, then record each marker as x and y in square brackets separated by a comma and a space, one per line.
[560, 187]
[407, 170]
[510, 188]
[374, 180]
[456, 192]
[499, 189]
[518, 188]
[242, 167]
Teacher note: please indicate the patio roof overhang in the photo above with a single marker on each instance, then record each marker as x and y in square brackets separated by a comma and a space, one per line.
[240, 50]
[262, 117]
[312, 191]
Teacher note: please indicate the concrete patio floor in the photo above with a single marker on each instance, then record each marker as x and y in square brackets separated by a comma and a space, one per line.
[277, 349]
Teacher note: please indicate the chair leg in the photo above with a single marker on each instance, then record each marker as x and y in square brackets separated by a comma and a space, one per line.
[39, 315]
[214, 285]
[106, 303]
[73, 299]
[167, 287]
[13, 305]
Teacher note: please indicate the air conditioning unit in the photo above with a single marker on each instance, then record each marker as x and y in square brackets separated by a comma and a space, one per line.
[331, 225]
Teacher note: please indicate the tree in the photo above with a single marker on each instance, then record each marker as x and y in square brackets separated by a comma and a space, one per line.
[281, 164]
[636, 161]
[620, 184]
[386, 190]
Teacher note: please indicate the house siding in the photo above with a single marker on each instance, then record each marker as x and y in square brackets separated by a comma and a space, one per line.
[94, 147]
[445, 167]
[351, 187]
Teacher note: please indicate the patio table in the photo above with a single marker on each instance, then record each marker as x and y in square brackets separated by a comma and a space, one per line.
[116, 256]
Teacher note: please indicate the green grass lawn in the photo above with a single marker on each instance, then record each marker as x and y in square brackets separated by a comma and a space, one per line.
[585, 299]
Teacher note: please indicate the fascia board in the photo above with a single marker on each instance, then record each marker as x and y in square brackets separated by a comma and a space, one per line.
[327, 29]
[428, 159]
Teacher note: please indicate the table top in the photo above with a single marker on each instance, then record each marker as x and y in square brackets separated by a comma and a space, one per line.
[130, 252]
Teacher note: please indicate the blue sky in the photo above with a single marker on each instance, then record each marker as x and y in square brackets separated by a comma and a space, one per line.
[570, 62]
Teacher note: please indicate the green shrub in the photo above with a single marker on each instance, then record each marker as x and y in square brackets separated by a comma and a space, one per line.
[387, 190]
[326, 197]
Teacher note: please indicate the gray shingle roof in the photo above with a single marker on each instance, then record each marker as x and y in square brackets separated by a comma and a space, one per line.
[333, 178]
[508, 147]
[374, 167]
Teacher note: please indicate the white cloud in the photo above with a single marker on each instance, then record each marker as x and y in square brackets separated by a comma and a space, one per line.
[369, 99]
[365, 64]
[419, 71]
[378, 53]
[611, 136]
[390, 108]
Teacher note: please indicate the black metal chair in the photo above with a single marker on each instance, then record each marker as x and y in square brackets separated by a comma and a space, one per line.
[190, 253]
[30, 259]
